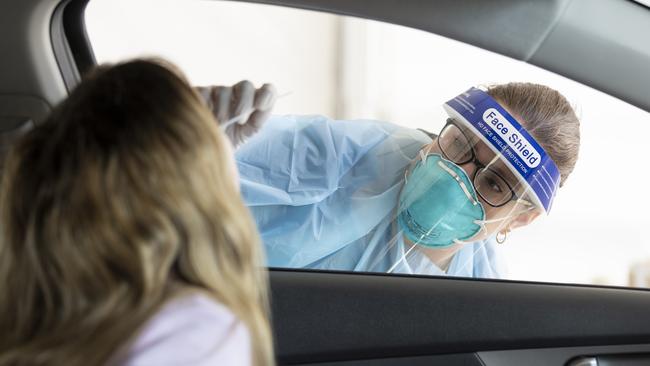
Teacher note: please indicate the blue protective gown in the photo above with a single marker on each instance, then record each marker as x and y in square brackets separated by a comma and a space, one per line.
[323, 194]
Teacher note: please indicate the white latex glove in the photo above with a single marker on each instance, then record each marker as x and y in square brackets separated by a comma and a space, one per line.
[241, 109]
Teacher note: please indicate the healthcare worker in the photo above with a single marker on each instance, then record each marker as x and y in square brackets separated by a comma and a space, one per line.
[373, 196]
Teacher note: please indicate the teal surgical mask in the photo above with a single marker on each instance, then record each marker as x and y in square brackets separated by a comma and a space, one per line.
[438, 205]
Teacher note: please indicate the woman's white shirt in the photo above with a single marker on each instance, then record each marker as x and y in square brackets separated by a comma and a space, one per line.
[191, 330]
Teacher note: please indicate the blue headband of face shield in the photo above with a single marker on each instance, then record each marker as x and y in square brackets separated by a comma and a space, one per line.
[534, 168]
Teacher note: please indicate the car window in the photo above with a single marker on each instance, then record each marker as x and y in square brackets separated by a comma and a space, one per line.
[325, 177]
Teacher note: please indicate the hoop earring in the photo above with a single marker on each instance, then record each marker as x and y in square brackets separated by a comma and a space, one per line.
[504, 237]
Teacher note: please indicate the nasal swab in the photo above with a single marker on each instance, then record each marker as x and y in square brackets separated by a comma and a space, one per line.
[246, 113]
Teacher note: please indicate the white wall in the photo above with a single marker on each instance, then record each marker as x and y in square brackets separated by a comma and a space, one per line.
[360, 69]
[217, 42]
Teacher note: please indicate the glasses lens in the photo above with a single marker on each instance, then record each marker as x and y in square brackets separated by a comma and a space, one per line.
[454, 145]
[492, 187]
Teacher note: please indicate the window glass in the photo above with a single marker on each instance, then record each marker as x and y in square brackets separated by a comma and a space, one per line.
[329, 67]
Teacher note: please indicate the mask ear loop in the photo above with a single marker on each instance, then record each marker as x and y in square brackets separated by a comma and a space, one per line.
[482, 223]
[423, 158]
[424, 155]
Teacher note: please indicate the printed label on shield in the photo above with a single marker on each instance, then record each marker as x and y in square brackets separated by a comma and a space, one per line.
[518, 143]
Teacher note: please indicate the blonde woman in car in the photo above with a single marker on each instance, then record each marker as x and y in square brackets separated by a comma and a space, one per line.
[124, 240]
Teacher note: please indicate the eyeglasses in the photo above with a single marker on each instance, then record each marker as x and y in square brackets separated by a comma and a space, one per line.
[458, 148]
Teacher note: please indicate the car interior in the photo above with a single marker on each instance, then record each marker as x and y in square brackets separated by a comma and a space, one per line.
[344, 318]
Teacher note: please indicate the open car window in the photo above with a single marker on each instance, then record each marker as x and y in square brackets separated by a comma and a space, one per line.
[353, 95]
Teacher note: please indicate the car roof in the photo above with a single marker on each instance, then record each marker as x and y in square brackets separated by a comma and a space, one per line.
[599, 43]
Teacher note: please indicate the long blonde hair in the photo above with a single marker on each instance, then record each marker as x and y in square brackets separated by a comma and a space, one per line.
[126, 190]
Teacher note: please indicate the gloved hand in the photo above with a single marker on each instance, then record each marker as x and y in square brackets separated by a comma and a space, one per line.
[241, 109]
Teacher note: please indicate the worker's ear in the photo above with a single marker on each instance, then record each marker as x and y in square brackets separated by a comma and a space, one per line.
[524, 218]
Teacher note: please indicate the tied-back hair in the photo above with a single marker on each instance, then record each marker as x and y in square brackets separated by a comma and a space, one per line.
[547, 116]
[123, 195]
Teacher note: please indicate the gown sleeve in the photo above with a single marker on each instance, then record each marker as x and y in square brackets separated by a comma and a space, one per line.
[301, 178]
[299, 160]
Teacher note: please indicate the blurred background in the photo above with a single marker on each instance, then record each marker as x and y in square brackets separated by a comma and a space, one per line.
[350, 68]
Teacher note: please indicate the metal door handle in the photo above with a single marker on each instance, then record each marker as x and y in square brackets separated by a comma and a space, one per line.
[583, 361]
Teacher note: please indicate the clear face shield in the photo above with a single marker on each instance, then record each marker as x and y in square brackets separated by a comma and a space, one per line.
[466, 188]
[474, 182]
